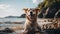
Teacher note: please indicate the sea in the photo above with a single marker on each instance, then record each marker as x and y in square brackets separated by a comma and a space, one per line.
[8, 20]
[12, 19]
[4, 25]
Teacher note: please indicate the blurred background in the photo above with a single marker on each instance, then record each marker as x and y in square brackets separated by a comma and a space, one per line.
[12, 16]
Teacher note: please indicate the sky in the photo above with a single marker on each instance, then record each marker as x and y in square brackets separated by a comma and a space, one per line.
[14, 7]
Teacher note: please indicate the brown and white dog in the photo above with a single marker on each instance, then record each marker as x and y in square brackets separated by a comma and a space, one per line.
[31, 25]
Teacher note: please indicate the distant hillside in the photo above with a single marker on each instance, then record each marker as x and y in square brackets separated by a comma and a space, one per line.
[22, 16]
[12, 17]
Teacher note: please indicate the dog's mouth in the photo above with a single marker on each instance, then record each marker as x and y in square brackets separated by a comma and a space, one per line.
[31, 17]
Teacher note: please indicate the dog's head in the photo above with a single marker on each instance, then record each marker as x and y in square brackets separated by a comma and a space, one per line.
[31, 12]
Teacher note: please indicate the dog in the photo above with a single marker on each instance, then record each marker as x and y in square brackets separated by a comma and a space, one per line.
[31, 25]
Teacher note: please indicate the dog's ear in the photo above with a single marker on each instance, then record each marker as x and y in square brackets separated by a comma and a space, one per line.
[25, 9]
[37, 10]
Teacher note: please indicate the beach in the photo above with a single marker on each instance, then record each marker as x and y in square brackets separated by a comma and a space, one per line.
[19, 27]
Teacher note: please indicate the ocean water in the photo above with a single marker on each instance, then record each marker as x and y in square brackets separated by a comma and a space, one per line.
[12, 19]
[4, 25]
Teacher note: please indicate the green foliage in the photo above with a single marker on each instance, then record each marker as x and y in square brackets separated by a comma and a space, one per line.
[47, 3]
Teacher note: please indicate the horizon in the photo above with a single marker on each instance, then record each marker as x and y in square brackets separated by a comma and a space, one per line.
[14, 7]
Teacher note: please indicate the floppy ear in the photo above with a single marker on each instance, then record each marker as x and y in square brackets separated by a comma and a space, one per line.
[37, 10]
[25, 9]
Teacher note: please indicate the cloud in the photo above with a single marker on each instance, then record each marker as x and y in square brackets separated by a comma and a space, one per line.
[34, 1]
[6, 10]
[37, 1]
[4, 6]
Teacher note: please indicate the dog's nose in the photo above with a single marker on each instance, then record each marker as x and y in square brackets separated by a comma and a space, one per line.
[31, 13]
